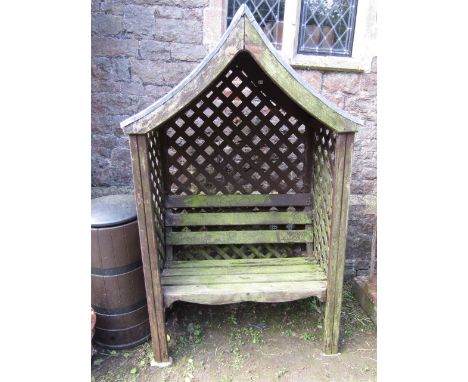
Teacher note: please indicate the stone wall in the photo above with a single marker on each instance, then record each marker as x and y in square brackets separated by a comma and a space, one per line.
[143, 48]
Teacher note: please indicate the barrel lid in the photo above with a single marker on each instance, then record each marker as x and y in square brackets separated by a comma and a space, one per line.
[112, 210]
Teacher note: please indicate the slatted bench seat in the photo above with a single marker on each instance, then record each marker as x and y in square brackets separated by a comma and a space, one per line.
[242, 177]
[228, 281]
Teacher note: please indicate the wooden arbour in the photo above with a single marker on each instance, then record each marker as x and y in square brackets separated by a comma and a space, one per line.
[241, 178]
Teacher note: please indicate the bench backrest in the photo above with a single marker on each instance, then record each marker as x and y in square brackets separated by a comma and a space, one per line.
[226, 223]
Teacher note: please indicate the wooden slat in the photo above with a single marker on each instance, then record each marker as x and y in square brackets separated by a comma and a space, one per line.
[232, 293]
[237, 218]
[240, 270]
[252, 200]
[240, 263]
[205, 279]
[239, 237]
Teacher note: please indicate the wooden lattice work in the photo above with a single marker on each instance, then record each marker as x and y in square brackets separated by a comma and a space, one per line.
[157, 190]
[235, 138]
[322, 186]
[242, 135]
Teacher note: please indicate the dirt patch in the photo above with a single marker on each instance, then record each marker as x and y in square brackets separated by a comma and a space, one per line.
[251, 342]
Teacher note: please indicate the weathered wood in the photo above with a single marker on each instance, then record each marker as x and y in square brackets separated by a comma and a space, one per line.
[239, 279]
[240, 270]
[235, 275]
[243, 34]
[212, 281]
[237, 218]
[239, 237]
[259, 292]
[309, 226]
[363, 290]
[285, 261]
[148, 242]
[253, 200]
[244, 278]
[372, 270]
[169, 249]
[342, 175]
[141, 216]
[152, 241]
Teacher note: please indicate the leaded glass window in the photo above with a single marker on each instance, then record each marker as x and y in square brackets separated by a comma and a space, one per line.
[327, 27]
[268, 13]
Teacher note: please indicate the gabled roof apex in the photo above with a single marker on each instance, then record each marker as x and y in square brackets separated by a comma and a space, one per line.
[243, 33]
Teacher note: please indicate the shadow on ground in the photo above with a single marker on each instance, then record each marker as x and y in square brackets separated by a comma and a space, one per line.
[250, 342]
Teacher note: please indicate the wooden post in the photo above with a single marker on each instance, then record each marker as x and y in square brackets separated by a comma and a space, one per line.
[339, 228]
[148, 242]
[372, 270]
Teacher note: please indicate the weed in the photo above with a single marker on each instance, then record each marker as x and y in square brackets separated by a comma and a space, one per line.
[237, 338]
[238, 358]
[314, 305]
[182, 341]
[256, 336]
[195, 333]
[307, 337]
[232, 318]
[287, 333]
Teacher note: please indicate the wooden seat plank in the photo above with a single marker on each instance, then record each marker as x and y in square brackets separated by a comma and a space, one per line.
[206, 279]
[237, 270]
[281, 261]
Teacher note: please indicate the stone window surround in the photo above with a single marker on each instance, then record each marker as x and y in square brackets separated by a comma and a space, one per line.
[364, 47]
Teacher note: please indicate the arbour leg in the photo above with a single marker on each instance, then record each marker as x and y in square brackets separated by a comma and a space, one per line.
[336, 257]
[149, 251]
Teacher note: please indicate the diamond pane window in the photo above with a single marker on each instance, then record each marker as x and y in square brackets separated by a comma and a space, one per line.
[327, 27]
[268, 13]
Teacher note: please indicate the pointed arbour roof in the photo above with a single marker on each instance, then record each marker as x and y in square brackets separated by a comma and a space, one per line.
[243, 34]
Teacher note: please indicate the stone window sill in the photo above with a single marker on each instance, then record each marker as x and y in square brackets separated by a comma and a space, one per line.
[351, 64]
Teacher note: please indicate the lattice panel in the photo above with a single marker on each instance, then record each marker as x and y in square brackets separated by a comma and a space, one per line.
[244, 251]
[157, 189]
[243, 135]
[322, 184]
[236, 138]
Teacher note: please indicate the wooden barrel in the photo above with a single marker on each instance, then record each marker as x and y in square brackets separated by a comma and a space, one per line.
[117, 285]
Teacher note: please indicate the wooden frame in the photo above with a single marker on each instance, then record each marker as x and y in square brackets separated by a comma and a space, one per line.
[334, 134]
[339, 229]
[148, 240]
